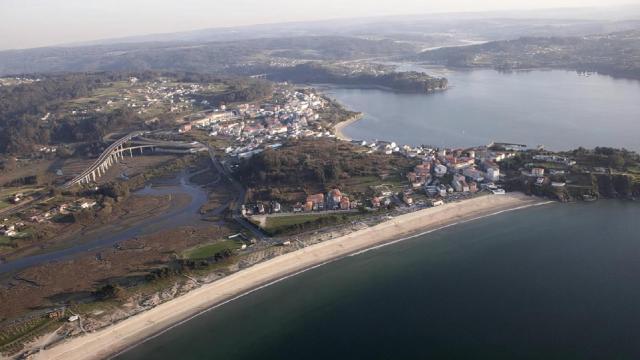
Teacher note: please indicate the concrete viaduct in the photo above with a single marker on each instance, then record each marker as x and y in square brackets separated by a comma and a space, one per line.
[117, 151]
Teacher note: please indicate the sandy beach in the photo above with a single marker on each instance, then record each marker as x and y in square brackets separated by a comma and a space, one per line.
[116, 338]
[339, 128]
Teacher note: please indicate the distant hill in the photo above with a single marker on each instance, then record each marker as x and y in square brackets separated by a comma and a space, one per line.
[195, 57]
[431, 30]
[616, 54]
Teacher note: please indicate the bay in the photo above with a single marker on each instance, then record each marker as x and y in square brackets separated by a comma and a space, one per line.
[558, 109]
[553, 282]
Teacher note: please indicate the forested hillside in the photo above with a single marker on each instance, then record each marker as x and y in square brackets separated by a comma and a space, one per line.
[194, 57]
[615, 54]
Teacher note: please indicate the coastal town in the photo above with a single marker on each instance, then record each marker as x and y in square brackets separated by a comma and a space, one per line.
[289, 178]
[247, 129]
[337, 180]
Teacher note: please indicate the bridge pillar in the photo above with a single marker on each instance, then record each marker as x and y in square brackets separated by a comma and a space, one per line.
[93, 175]
[130, 152]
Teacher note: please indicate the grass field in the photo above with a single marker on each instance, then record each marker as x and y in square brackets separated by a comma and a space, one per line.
[5, 241]
[274, 223]
[209, 250]
[6, 193]
[288, 224]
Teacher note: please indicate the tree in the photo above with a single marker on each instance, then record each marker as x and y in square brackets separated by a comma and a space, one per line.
[109, 292]
[616, 161]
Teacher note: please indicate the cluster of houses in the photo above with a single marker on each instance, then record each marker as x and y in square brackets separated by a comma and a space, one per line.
[40, 215]
[542, 176]
[261, 208]
[554, 159]
[16, 198]
[208, 119]
[178, 97]
[445, 171]
[254, 127]
[332, 201]
[143, 98]
[13, 81]
[11, 230]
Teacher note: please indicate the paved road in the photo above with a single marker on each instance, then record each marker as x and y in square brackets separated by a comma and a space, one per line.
[22, 206]
[103, 157]
[241, 192]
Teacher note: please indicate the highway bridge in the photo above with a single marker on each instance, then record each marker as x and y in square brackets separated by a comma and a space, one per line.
[127, 145]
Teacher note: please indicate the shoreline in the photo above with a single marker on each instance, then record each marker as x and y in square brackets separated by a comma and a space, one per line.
[129, 333]
[339, 127]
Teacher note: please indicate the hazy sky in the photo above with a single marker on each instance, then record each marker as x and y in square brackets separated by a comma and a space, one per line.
[31, 23]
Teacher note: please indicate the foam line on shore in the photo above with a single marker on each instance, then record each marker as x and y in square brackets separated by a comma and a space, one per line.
[123, 336]
[447, 226]
[213, 307]
[283, 278]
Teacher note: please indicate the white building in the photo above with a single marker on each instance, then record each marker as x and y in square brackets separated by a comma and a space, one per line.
[537, 172]
[440, 170]
[493, 174]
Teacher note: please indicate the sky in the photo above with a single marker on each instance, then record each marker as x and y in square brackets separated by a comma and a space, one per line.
[34, 23]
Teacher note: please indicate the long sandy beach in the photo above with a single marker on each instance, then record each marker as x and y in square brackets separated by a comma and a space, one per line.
[132, 331]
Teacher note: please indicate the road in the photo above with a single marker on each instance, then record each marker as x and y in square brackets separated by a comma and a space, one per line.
[103, 157]
[241, 192]
[23, 205]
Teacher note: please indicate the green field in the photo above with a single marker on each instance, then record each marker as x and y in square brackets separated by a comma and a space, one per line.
[6, 193]
[274, 223]
[209, 250]
[5, 241]
[294, 223]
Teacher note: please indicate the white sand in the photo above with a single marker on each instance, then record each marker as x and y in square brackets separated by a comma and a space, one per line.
[132, 331]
